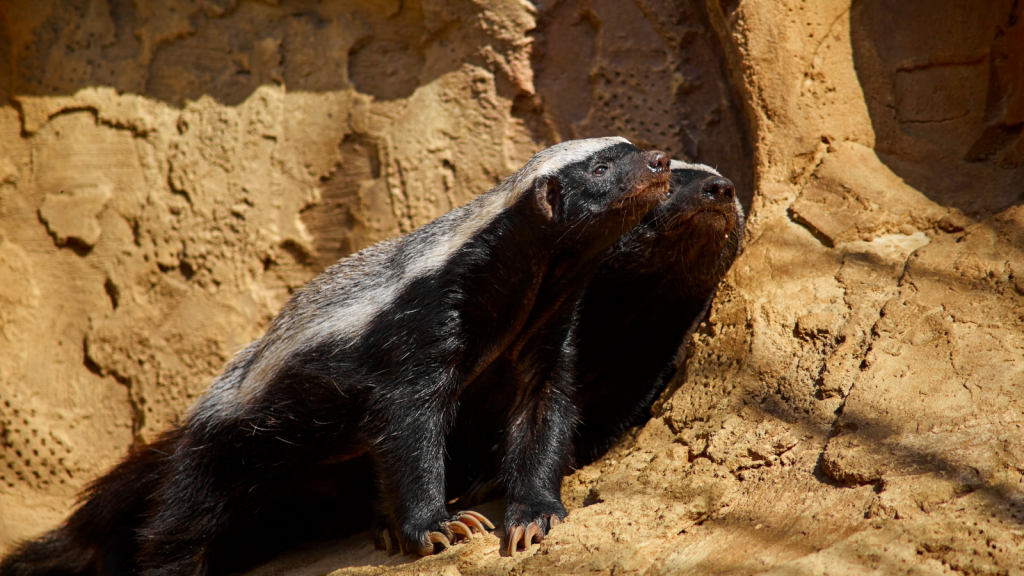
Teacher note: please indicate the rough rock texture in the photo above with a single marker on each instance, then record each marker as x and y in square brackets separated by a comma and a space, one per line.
[853, 404]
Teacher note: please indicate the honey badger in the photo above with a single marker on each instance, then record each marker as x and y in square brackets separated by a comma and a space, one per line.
[369, 360]
[652, 287]
[629, 349]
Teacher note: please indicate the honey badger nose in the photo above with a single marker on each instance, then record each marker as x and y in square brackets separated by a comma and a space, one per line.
[658, 162]
[719, 189]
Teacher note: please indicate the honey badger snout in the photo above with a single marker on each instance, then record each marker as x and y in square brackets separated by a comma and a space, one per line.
[697, 189]
[657, 161]
[718, 189]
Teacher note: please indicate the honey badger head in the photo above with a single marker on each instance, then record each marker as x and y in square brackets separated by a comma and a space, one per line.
[699, 227]
[599, 188]
[702, 202]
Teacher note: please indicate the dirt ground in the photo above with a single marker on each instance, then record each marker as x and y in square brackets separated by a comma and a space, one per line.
[171, 170]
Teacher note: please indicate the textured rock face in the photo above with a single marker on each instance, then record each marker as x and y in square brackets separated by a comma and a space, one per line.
[170, 171]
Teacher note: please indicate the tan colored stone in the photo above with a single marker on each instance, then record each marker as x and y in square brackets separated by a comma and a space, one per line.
[72, 215]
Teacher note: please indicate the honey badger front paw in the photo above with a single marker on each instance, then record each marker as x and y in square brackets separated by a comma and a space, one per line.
[529, 526]
[460, 526]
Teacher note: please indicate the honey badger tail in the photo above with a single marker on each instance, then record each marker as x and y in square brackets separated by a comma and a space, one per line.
[53, 554]
[100, 537]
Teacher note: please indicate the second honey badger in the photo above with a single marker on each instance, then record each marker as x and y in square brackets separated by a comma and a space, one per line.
[369, 360]
[648, 295]
[653, 285]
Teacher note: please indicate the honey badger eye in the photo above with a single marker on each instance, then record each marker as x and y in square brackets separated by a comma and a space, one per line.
[600, 170]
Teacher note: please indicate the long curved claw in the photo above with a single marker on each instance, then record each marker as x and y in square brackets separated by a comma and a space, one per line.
[435, 538]
[479, 517]
[532, 533]
[553, 521]
[472, 522]
[513, 540]
[460, 529]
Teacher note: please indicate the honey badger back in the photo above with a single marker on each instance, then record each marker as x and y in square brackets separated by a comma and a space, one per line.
[370, 358]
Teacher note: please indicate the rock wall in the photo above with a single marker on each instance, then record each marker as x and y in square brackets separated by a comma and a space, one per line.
[170, 171]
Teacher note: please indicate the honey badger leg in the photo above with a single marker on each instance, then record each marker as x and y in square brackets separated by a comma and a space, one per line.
[539, 447]
[189, 509]
[216, 471]
[538, 443]
[409, 461]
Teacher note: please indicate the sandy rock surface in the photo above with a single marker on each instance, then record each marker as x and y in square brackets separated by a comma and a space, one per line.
[854, 402]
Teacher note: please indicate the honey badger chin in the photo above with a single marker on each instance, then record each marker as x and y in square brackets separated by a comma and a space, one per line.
[369, 361]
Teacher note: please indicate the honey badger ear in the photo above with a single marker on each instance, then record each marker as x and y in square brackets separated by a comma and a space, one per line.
[547, 191]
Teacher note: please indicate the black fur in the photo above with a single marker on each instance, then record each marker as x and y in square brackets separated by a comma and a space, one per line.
[652, 287]
[338, 381]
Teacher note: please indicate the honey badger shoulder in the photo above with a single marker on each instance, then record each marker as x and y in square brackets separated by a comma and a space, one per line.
[367, 363]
